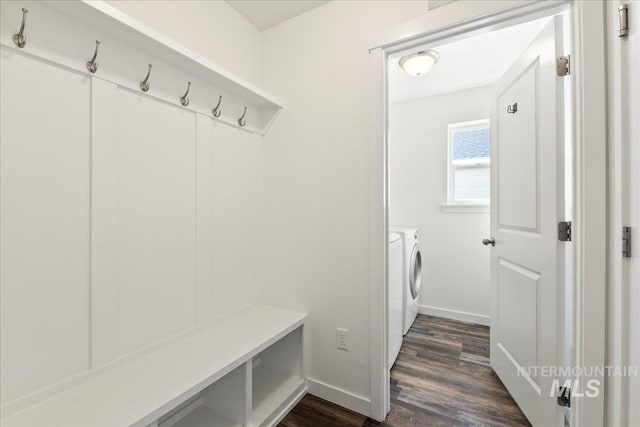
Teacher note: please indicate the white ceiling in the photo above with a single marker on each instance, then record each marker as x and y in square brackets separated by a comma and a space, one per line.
[472, 62]
[265, 14]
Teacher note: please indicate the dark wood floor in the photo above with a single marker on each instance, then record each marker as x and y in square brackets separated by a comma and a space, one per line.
[442, 377]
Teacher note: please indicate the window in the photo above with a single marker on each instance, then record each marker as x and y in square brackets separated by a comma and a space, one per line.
[469, 147]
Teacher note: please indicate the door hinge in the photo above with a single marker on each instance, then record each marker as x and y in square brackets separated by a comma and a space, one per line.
[623, 20]
[626, 242]
[564, 231]
[564, 396]
[563, 65]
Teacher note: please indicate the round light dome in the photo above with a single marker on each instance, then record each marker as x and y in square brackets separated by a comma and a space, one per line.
[419, 63]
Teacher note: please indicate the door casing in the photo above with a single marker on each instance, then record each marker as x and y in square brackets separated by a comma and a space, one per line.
[588, 95]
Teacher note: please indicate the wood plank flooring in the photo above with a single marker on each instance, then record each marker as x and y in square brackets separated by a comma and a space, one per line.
[442, 377]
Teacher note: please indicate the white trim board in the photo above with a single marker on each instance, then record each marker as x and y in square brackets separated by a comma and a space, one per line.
[378, 243]
[623, 331]
[346, 399]
[479, 319]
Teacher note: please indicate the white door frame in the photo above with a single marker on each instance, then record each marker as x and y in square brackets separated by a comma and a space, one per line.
[590, 172]
[624, 164]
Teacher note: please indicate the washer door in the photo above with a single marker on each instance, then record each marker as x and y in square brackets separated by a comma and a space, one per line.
[415, 272]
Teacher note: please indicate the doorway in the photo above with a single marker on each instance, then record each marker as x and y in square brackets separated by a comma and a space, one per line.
[458, 23]
[440, 185]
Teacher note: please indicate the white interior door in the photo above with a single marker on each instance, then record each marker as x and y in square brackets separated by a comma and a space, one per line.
[527, 199]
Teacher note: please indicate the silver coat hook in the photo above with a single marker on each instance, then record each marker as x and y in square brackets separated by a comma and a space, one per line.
[512, 109]
[144, 85]
[183, 99]
[20, 39]
[92, 65]
[216, 110]
[241, 120]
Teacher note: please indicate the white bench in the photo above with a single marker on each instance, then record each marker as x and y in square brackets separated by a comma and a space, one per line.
[246, 370]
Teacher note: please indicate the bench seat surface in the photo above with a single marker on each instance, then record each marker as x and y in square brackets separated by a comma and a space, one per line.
[139, 392]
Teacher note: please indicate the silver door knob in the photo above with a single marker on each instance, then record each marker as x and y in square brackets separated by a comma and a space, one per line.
[490, 241]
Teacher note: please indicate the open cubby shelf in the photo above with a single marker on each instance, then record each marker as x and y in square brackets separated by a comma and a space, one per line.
[270, 389]
[276, 375]
[253, 394]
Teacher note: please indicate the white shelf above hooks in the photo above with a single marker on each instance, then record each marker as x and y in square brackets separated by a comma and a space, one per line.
[127, 47]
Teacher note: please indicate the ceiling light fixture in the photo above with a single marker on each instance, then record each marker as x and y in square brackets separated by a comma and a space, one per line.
[419, 63]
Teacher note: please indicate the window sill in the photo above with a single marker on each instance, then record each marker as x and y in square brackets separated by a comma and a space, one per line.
[465, 208]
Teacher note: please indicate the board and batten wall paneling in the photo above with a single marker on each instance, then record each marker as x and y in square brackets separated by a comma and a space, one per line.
[151, 198]
[176, 201]
[188, 192]
[156, 220]
[126, 221]
[104, 224]
[236, 185]
[45, 224]
[204, 283]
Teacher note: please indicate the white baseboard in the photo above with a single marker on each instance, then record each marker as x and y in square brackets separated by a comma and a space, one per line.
[346, 399]
[480, 319]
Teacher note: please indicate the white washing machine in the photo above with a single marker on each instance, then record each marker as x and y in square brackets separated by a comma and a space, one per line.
[394, 296]
[412, 274]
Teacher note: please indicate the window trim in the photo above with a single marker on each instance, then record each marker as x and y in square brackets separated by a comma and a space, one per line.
[453, 205]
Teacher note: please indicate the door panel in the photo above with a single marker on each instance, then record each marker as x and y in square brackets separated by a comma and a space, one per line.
[517, 318]
[527, 191]
[518, 174]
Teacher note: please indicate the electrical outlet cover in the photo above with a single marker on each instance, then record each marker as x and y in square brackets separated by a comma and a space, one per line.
[342, 338]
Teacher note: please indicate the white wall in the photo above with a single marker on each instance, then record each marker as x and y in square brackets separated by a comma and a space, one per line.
[212, 29]
[316, 180]
[455, 264]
